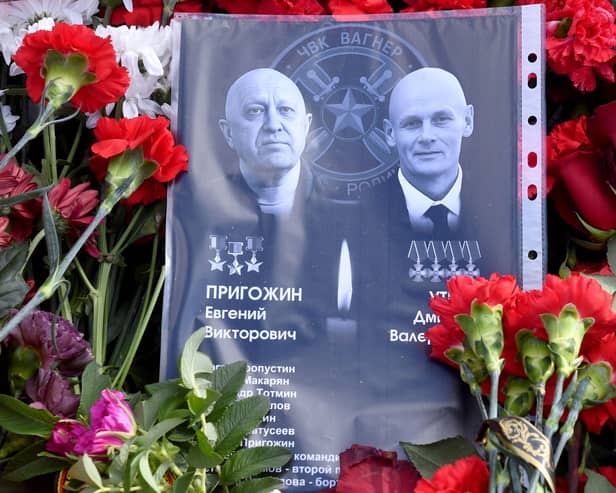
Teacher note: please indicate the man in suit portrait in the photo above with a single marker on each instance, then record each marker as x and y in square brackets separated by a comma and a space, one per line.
[428, 118]
[417, 231]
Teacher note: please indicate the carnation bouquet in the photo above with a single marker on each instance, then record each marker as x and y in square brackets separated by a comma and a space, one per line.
[86, 153]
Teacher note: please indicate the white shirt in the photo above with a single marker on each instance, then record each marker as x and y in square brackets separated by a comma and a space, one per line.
[417, 204]
[276, 200]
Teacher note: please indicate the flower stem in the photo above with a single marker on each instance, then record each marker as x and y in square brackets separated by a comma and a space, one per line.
[99, 327]
[49, 287]
[139, 332]
[569, 426]
[121, 243]
[539, 398]
[492, 452]
[71, 154]
[37, 126]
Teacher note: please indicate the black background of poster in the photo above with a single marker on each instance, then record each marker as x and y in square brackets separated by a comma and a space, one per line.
[363, 389]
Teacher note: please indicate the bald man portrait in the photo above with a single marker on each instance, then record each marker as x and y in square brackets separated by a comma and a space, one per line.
[428, 119]
[406, 224]
[266, 125]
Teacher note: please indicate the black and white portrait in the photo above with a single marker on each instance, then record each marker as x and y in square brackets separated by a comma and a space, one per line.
[340, 173]
[428, 119]
[266, 124]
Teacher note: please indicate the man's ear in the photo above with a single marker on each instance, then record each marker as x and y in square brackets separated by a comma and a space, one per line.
[469, 120]
[308, 122]
[389, 133]
[225, 128]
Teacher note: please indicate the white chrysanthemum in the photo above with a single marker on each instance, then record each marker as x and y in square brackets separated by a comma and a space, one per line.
[17, 18]
[146, 54]
[10, 120]
[150, 46]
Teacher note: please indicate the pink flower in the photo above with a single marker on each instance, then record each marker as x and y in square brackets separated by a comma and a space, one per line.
[111, 420]
[71, 207]
[68, 438]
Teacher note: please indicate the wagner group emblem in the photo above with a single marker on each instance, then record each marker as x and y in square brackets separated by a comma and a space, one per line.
[346, 72]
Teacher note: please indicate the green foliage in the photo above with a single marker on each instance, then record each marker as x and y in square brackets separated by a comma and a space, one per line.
[597, 483]
[430, 457]
[13, 288]
[22, 419]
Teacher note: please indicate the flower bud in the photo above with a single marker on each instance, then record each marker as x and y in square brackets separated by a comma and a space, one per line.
[484, 333]
[600, 388]
[565, 334]
[466, 357]
[64, 76]
[535, 356]
[127, 171]
[519, 396]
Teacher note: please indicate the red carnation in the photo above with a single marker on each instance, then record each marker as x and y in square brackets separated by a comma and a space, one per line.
[158, 145]
[71, 206]
[463, 290]
[15, 181]
[590, 299]
[147, 12]
[272, 7]
[426, 5]
[580, 40]
[565, 139]
[369, 470]
[468, 475]
[103, 81]
[341, 7]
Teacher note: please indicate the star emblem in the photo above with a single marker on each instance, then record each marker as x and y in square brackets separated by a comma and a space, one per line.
[235, 269]
[217, 265]
[253, 266]
[349, 113]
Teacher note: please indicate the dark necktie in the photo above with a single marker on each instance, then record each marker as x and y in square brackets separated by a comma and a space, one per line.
[438, 215]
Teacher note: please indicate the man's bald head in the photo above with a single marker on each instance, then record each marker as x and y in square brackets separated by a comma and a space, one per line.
[429, 83]
[260, 77]
[265, 123]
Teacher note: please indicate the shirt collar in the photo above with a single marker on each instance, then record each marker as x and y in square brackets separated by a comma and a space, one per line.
[417, 203]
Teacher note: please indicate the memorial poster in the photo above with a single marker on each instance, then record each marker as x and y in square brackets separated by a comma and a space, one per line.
[341, 170]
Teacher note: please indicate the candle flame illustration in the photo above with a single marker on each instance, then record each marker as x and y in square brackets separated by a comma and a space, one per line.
[345, 279]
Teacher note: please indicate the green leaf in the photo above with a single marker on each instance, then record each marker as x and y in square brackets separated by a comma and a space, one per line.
[27, 464]
[51, 236]
[597, 483]
[203, 456]
[181, 484]
[228, 380]
[85, 470]
[238, 420]
[22, 419]
[430, 457]
[189, 357]
[146, 472]
[158, 430]
[13, 288]
[199, 405]
[260, 485]
[611, 253]
[148, 411]
[93, 381]
[249, 462]
[23, 197]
